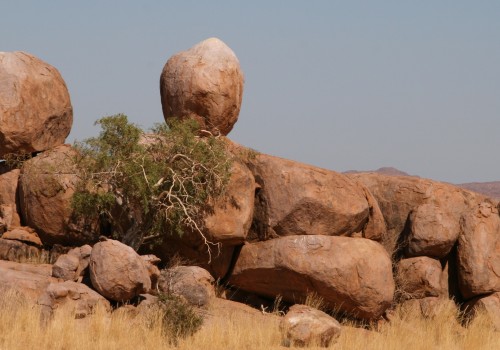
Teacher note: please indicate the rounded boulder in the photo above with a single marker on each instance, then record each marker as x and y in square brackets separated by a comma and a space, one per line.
[117, 271]
[35, 107]
[204, 83]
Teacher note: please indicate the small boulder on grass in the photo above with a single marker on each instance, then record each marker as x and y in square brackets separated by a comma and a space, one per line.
[193, 283]
[117, 271]
[305, 326]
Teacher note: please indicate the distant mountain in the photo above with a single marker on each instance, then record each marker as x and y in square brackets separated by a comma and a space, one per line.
[384, 170]
[490, 189]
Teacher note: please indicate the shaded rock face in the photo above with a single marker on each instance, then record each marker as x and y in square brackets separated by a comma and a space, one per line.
[204, 83]
[306, 326]
[117, 271]
[353, 275]
[35, 107]
[78, 296]
[298, 199]
[489, 304]
[420, 277]
[8, 201]
[400, 196]
[478, 251]
[194, 252]
[14, 250]
[434, 231]
[232, 214]
[46, 185]
[191, 282]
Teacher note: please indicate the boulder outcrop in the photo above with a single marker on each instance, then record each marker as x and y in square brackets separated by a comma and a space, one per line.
[478, 251]
[299, 199]
[117, 271]
[35, 107]
[399, 196]
[353, 275]
[204, 83]
[306, 326]
[26, 282]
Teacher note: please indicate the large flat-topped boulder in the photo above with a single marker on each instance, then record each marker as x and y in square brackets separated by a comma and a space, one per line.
[35, 107]
[204, 83]
[353, 275]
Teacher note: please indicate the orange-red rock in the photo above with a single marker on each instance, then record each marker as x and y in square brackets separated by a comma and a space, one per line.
[9, 179]
[351, 274]
[47, 185]
[204, 83]
[117, 271]
[420, 277]
[299, 199]
[306, 326]
[231, 215]
[479, 251]
[35, 107]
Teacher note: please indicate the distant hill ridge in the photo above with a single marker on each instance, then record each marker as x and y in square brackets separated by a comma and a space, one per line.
[490, 189]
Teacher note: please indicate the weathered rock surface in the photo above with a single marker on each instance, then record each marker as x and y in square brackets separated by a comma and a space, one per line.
[232, 214]
[398, 196]
[73, 265]
[47, 185]
[489, 304]
[434, 231]
[298, 199]
[26, 283]
[39, 269]
[151, 261]
[204, 83]
[78, 296]
[18, 251]
[8, 202]
[35, 107]
[117, 271]
[351, 274]
[191, 282]
[306, 326]
[23, 234]
[479, 251]
[420, 277]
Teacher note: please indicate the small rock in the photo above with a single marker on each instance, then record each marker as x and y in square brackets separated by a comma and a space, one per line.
[191, 282]
[305, 326]
[23, 234]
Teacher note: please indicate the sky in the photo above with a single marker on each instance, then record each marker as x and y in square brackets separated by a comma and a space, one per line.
[341, 85]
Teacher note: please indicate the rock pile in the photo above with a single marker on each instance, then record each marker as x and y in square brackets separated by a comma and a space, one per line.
[361, 241]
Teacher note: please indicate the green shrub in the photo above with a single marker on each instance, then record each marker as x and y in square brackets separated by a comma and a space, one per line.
[149, 185]
[179, 318]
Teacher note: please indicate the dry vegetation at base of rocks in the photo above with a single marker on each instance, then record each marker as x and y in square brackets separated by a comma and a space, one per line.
[20, 328]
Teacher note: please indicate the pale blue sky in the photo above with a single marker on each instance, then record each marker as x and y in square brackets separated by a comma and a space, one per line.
[338, 84]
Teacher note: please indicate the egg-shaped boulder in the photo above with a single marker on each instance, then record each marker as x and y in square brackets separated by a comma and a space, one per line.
[204, 83]
[35, 107]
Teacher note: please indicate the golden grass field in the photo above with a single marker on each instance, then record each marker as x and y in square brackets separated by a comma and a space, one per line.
[20, 328]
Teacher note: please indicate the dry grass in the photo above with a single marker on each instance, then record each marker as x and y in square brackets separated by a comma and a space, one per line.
[20, 328]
